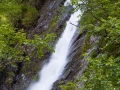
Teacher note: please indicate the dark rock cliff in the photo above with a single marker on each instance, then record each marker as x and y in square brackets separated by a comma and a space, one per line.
[51, 19]
[77, 62]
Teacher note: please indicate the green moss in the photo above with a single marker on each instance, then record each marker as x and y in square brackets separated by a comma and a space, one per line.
[29, 16]
[86, 45]
[53, 22]
[9, 80]
[94, 54]
[68, 86]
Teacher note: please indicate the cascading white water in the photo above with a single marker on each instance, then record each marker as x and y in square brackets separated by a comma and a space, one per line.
[53, 70]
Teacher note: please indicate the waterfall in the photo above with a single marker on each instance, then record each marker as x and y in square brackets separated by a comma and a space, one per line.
[57, 61]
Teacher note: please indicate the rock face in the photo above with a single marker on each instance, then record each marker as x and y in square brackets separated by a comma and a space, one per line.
[76, 64]
[51, 19]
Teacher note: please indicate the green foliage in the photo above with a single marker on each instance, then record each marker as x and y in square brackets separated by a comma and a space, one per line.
[42, 44]
[102, 73]
[11, 44]
[101, 18]
[14, 42]
[11, 10]
[18, 12]
[29, 16]
[68, 86]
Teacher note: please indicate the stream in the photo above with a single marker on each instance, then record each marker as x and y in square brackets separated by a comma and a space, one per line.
[53, 70]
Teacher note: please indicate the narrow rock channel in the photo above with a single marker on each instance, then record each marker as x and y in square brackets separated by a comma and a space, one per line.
[57, 61]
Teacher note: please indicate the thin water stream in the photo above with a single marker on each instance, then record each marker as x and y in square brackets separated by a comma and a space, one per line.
[57, 61]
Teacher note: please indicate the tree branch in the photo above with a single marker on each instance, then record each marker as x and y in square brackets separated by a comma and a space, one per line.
[73, 24]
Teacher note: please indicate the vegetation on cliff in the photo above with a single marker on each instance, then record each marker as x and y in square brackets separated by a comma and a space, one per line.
[15, 15]
[100, 18]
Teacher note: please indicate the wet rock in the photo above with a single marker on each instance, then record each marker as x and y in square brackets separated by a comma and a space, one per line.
[77, 63]
[29, 71]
